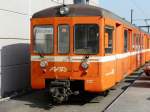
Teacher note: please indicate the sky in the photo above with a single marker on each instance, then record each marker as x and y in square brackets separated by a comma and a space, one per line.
[123, 8]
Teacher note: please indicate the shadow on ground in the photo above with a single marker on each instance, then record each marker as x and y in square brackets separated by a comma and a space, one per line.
[143, 82]
[40, 99]
[130, 79]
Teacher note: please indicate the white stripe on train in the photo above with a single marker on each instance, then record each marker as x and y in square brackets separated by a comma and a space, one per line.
[91, 59]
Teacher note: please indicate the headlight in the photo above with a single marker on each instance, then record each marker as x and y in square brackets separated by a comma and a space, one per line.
[84, 65]
[43, 64]
[64, 10]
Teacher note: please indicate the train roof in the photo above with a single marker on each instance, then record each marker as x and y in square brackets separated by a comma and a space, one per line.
[76, 10]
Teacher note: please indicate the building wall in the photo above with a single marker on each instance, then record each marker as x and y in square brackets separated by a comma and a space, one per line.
[36, 5]
[14, 45]
[14, 41]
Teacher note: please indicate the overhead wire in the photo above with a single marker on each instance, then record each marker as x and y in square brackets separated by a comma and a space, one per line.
[141, 10]
[138, 7]
[6, 10]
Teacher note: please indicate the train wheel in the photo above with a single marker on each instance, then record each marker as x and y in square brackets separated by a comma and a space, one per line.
[105, 93]
[147, 74]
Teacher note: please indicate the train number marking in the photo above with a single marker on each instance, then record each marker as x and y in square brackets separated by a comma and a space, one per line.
[58, 69]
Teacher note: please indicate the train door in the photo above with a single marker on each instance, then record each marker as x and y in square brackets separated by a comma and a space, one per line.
[132, 50]
[129, 50]
[126, 59]
[125, 52]
[138, 50]
[144, 47]
[62, 61]
[141, 48]
[109, 66]
[118, 42]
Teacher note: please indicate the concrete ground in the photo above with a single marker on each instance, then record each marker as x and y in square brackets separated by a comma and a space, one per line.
[135, 99]
[87, 102]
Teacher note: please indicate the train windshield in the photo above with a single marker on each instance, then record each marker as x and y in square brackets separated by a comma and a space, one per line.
[86, 39]
[43, 39]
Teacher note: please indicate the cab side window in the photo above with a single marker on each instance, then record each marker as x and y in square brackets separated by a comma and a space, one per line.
[108, 40]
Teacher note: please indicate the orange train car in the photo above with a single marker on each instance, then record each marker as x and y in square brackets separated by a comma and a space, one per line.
[78, 48]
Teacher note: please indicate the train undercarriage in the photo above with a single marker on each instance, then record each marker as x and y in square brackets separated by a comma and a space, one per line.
[60, 90]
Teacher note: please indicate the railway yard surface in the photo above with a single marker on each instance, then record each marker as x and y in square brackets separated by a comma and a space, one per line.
[126, 96]
[135, 99]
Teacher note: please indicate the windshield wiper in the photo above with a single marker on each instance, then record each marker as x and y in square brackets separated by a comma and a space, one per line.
[39, 51]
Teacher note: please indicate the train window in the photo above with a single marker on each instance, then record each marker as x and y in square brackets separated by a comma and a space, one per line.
[137, 41]
[142, 45]
[86, 39]
[43, 39]
[108, 39]
[63, 39]
[148, 43]
[125, 40]
[133, 41]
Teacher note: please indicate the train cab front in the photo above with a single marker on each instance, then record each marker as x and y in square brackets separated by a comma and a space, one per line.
[64, 53]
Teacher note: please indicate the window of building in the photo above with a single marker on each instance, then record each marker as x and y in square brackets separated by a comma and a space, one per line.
[63, 39]
[43, 39]
[86, 38]
[108, 41]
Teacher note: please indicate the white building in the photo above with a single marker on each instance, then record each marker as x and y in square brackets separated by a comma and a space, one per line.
[14, 40]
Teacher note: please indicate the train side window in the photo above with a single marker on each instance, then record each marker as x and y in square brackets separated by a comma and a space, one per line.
[148, 43]
[63, 39]
[139, 41]
[136, 42]
[126, 40]
[108, 41]
[133, 41]
[142, 44]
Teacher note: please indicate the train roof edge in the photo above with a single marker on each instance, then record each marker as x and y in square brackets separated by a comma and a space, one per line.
[81, 10]
[75, 10]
